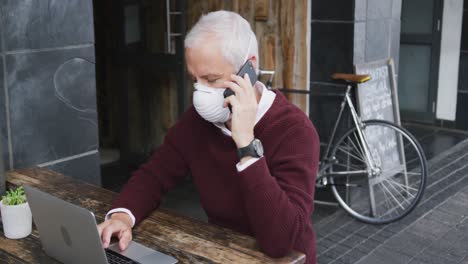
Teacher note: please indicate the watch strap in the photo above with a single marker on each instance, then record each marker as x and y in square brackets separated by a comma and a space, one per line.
[248, 150]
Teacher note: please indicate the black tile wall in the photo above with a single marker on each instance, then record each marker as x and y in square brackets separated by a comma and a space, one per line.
[4, 154]
[47, 72]
[324, 111]
[464, 36]
[44, 24]
[1, 32]
[377, 40]
[461, 120]
[84, 168]
[52, 104]
[333, 10]
[463, 72]
[331, 49]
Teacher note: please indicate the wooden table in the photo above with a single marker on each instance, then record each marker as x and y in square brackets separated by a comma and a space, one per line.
[188, 240]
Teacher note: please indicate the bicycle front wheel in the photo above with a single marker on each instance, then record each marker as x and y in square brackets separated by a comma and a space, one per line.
[393, 188]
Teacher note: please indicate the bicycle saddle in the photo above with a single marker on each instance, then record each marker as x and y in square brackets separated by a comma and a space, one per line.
[353, 78]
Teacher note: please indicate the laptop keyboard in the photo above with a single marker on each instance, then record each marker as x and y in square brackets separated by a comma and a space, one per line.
[116, 258]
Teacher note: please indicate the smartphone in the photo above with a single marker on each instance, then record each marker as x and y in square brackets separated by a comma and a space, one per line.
[246, 68]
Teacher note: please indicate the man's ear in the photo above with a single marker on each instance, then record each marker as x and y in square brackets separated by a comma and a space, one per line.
[254, 61]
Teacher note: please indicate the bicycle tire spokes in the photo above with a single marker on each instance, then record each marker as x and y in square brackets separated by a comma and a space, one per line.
[389, 191]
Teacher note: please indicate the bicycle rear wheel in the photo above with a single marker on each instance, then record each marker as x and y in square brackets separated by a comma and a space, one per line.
[388, 193]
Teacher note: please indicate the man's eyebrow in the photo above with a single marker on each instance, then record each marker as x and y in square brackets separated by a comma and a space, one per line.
[212, 75]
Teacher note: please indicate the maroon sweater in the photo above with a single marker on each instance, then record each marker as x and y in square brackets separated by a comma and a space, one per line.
[272, 199]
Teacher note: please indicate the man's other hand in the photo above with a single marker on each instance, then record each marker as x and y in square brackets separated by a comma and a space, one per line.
[120, 225]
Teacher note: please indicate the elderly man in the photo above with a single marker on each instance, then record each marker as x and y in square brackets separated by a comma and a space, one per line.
[253, 155]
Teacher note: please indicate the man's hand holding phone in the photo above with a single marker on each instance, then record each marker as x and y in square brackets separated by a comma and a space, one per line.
[248, 69]
[244, 109]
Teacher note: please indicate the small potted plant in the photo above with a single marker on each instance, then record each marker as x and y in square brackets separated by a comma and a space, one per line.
[16, 214]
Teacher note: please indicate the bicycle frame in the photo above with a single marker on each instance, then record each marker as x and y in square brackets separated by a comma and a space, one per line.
[359, 125]
[335, 166]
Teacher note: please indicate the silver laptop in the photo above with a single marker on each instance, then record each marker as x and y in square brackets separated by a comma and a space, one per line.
[69, 234]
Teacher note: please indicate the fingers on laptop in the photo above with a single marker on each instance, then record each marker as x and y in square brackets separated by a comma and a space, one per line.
[101, 226]
[108, 231]
[108, 228]
[125, 236]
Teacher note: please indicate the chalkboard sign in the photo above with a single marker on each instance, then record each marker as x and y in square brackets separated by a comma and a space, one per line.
[378, 99]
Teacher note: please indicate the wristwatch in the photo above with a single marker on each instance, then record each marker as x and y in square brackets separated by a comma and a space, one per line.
[254, 149]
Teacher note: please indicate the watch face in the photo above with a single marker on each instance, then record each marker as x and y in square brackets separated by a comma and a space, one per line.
[258, 147]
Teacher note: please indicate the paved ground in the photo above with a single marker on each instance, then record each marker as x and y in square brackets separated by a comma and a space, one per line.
[435, 232]
[439, 236]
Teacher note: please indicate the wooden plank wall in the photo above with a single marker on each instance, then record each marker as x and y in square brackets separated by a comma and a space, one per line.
[281, 30]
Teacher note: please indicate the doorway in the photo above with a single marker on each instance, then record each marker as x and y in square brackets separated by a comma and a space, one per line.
[419, 59]
[140, 80]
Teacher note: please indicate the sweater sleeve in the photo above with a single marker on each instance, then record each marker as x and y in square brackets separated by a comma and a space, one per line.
[142, 193]
[278, 196]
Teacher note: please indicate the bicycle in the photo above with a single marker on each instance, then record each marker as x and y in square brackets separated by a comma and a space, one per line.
[375, 182]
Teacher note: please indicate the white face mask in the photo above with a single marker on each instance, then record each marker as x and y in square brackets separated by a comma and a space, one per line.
[209, 101]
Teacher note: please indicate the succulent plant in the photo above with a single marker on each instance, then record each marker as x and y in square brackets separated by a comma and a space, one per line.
[14, 197]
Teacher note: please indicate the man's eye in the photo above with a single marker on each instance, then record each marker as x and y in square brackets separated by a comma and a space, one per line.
[212, 80]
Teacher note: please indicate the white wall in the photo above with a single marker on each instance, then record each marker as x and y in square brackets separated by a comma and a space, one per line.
[449, 59]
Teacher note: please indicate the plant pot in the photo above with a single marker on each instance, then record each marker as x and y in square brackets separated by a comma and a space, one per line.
[16, 219]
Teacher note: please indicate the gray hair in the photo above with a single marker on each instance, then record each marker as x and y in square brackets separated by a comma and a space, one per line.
[234, 32]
